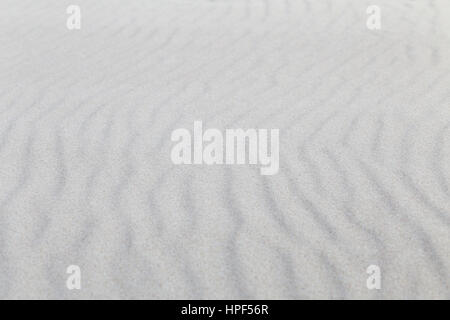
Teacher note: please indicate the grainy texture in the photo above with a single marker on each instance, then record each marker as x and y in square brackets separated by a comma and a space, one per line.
[86, 176]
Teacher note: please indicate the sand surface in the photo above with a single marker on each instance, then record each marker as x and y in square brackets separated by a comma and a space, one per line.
[86, 176]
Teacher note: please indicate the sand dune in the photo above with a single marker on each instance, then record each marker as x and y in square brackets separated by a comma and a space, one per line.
[85, 171]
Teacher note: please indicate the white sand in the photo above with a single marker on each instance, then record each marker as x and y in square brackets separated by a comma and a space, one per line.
[85, 170]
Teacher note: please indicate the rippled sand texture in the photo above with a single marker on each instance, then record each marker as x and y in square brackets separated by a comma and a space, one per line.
[86, 176]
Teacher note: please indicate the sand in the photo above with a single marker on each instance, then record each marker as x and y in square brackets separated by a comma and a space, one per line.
[86, 177]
